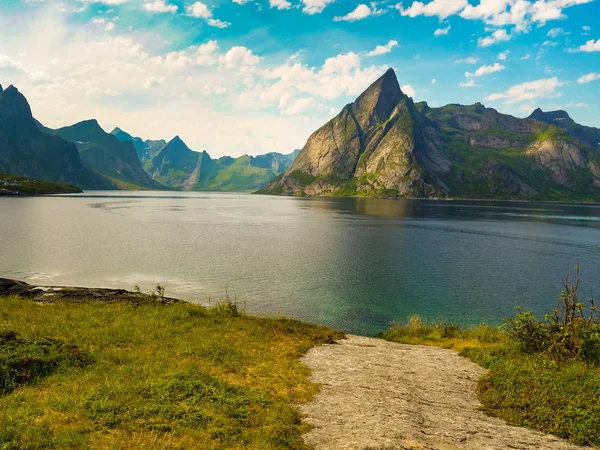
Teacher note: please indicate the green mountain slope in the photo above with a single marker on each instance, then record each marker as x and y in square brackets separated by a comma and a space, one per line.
[27, 151]
[105, 154]
[385, 145]
[586, 135]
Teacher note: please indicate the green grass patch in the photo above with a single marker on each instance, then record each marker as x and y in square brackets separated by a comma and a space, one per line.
[153, 376]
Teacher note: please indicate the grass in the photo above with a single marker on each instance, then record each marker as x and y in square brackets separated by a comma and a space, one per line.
[531, 390]
[151, 376]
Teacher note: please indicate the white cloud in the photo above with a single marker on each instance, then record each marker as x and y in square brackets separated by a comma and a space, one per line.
[280, 4]
[589, 46]
[206, 54]
[503, 56]
[342, 63]
[299, 106]
[433, 81]
[439, 8]
[383, 49]
[576, 105]
[159, 6]
[199, 10]
[315, 6]
[544, 88]
[485, 70]
[362, 11]
[527, 56]
[409, 90]
[468, 60]
[218, 23]
[470, 83]
[589, 78]
[8, 63]
[556, 32]
[238, 56]
[104, 2]
[442, 31]
[496, 36]
[153, 82]
[586, 28]
[240, 2]
[520, 13]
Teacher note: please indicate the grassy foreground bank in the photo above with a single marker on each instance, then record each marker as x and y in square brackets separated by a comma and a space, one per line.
[543, 373]
[118, 375]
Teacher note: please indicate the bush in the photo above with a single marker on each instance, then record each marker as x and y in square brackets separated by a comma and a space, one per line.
[572, 331]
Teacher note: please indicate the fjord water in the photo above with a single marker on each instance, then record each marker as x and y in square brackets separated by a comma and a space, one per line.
[354, 264]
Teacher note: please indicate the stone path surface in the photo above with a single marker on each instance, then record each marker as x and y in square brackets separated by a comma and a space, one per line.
[381, 395]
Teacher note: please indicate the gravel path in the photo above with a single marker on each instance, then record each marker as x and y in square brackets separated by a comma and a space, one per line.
[381, 395]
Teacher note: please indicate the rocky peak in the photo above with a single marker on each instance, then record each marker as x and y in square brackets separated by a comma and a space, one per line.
[15, 113]
[375, 105]
[550, 116]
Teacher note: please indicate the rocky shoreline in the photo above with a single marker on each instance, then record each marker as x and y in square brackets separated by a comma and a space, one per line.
[49, 294]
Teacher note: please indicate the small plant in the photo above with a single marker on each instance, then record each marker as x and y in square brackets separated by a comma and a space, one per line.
[159, 291]
[137, 289]
[572, 331]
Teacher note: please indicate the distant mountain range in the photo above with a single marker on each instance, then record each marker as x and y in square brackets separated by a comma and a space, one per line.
[383, 144]
[25, 150]
[86, 156]
[175, 165]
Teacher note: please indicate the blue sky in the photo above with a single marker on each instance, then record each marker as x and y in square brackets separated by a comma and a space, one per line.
[243, 76]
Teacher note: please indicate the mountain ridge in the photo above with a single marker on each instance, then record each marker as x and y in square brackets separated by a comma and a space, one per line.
[383, 144]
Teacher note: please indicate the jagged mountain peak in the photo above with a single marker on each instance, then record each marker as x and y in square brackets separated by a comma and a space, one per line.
[15, 113]
[379, 99]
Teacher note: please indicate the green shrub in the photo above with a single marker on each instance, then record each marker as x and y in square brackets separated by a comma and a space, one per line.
[572, 331]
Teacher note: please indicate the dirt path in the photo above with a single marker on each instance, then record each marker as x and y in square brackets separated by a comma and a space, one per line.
[380, 395]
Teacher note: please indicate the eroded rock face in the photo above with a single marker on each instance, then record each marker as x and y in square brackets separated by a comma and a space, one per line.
[560, 157]
[489, 142]
[379, 143]
[468, 123]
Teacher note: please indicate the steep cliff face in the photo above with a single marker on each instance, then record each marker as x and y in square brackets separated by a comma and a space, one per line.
[383, 144]
[27, 151]
[379, 144]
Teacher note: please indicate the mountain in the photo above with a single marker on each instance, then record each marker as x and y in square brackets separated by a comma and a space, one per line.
[26, 150]
[177, 166]
[105, 154]
[145, 149]
[586, 135]
[383, 144]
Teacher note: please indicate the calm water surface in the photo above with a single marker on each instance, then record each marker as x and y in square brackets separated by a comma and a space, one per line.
[354, 264]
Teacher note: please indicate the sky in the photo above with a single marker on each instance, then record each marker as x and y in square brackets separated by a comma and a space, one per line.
[237, 77]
